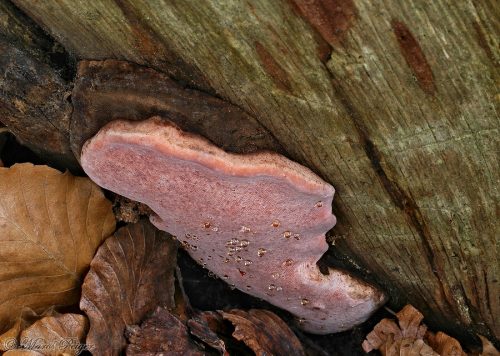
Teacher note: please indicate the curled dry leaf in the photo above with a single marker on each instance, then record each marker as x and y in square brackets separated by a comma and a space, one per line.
[388, 331]
[264, 332]
[406, 347]
[161, 333]
[131, 274]
[56, 335]
[410, 323]
[11, 338]
[444, 344]
[409, 337]
[51, 225]
[488, 348]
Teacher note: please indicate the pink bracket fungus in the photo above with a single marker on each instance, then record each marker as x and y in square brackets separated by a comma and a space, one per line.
[257, 220]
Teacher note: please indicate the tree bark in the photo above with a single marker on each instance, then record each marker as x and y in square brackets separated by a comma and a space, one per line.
[393, 102]
[34, 82]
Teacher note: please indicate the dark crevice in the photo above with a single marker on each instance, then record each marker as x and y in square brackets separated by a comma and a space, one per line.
[24, 33]
[13, 152]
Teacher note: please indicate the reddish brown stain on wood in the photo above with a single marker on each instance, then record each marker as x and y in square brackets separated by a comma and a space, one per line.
[482, 41]
[331, 18]
[273, 68]
[414, 56]
[324, 49]
[156, 53]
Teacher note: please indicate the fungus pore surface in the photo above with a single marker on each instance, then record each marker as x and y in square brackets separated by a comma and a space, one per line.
[258, 221]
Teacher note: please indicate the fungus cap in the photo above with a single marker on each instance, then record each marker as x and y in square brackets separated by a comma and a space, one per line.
[258, 221]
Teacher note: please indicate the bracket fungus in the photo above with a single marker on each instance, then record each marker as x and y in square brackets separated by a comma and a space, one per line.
[258, 220]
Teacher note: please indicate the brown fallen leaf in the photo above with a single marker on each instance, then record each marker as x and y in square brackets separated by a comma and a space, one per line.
[11, 338]
[488, 348]
[51, 225]
[56, 335]
[410, 337]
[264, 332]
[410, 323]
[162, 333]
[444, 345]
[21, 352]
[131, 274]
[407, 347]
[387, 331]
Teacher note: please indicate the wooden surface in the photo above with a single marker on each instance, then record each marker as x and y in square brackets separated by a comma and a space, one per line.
[393, 102]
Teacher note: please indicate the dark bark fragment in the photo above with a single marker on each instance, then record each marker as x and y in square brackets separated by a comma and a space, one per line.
[161, 333]
[264, 332]
[109, 90]
[206, 326]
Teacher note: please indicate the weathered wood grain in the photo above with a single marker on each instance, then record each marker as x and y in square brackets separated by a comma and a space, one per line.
[395, 103]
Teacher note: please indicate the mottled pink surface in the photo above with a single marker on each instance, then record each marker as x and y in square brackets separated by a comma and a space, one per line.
[257, 221]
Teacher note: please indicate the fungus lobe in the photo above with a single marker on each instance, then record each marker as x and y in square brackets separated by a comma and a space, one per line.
[260, 214]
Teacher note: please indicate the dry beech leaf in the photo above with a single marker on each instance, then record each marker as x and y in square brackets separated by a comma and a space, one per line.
[387, 331]
[444, 345]
[264, 332]
[162, 333]
[410, 323]
[21, 352]
[51, 225]
[488, 348]
[131, 274]
[10, 339]
[407, 347]
[56, 335]
[410, 337]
